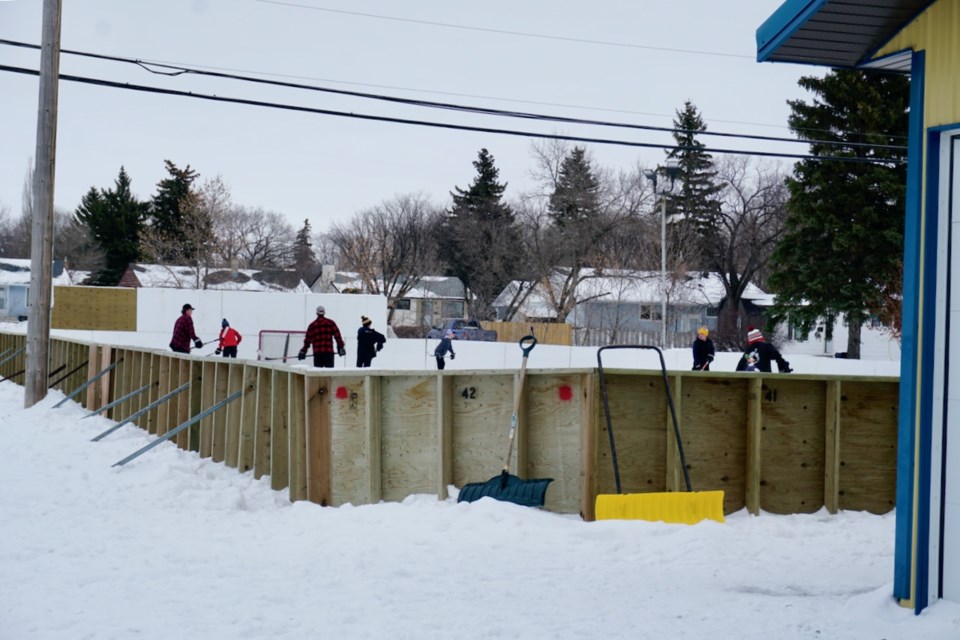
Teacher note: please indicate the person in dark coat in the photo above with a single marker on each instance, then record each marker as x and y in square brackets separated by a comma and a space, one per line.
[321, 334]
[445, 346]
[763, 353]
[369, 342]
[228, 341]
[703, 350]
[183, 332]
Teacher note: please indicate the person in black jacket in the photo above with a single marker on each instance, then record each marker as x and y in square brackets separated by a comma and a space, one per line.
[445, 346]
[369, 342]
[763, 352]
[703, 350]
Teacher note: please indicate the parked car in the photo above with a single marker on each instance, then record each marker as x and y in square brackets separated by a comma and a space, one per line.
[463, 330]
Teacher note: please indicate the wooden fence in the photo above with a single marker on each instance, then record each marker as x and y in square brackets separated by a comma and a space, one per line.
[777, 443]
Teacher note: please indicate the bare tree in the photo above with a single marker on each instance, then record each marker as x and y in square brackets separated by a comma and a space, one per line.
[391, 245]
[254, 238]
[193, 247]
[744, 232]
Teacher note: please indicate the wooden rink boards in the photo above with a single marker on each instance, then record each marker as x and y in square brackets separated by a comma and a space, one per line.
[774, 443]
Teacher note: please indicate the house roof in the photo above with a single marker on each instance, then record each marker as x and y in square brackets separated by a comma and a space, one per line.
[17, 271]
[183, 277]
[629, 287]
[836, 33]
[433, 287]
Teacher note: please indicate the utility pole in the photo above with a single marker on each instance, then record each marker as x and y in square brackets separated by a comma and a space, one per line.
[41, 238]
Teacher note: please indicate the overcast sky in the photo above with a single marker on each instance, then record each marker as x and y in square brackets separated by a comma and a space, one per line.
[644, 59]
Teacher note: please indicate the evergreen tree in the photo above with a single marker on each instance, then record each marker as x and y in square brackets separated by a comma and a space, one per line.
[115, 219]
[693, 206]
[579, 228]
[575, 202]
[304, 258]
[178, 228]
[479, 240]
[844, 239]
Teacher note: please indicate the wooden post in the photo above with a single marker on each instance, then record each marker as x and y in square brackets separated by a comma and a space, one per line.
[297, 436]
[523, 423]
[754, 429]
[316, 407]
[279, 429]
[41, 240]
[93, 366]
[231, 454]
[261, 445]
[248, 419]
[444, 434]
[831, 466]
[588, 448]
[374, 455]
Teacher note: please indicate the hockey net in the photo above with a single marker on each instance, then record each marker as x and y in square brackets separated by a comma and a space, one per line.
[279, 346]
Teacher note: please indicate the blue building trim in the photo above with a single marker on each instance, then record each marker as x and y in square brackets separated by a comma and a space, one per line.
[927, 358]
[781, 26]
[909, 364]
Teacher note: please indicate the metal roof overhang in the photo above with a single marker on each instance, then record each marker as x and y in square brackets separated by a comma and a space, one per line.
[836, 33]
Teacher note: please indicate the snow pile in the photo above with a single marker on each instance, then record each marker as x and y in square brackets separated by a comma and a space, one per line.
[171, 546]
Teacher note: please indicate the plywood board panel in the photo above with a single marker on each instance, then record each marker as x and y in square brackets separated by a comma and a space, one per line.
[481, 406]
[94, 308]
[409, 443]
[638, 409]
[714, 435]
[793, 445]
[351, 455]
[553, 437]
[868, 445]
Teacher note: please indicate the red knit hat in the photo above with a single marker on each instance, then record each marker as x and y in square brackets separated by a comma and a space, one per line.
[753, 335]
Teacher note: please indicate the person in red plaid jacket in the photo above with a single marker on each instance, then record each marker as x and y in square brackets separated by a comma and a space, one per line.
[183, 332]
[321, 334]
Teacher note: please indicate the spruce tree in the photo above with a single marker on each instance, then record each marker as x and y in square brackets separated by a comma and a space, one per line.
[479, 240]
[575, 202]
[115, 219]
[693, 206]
[844, 239]
[304, 258]
[175, 220]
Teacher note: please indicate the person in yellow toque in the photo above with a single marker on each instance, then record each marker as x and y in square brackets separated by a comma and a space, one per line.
[703, 350]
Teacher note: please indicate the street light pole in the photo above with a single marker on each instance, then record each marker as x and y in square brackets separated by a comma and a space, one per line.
[672, 169]
[663, 270]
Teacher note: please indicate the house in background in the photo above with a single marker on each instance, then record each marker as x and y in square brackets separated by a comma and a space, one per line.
[426, 304]
[161, 276]
[626, 305]
[15, 286]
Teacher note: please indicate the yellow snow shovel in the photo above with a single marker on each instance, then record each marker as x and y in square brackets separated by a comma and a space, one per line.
[678, 507]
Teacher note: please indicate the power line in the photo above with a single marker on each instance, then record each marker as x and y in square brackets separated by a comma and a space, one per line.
[541, 36]
[440, 125]
[180, 69]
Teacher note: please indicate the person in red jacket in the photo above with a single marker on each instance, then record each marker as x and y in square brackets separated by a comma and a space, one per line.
[183, 332]
[321, 334]
[228, 341]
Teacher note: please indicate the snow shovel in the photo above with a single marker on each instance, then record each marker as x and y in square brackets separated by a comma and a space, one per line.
[506, 486]
[689, 507]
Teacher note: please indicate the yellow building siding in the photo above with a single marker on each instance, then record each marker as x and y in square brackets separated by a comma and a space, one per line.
[937, 31]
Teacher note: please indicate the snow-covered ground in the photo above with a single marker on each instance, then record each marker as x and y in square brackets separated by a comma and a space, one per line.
[172, 546]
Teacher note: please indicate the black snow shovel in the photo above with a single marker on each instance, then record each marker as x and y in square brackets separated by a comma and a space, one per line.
[506, 486]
